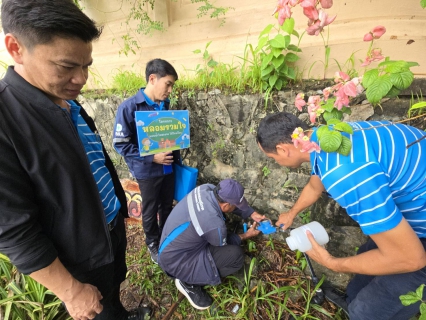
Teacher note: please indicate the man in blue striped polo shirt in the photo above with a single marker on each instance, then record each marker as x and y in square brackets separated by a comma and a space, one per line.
[382, 186]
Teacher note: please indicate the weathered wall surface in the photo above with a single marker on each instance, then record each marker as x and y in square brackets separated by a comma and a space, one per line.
[223, 129]
[405, 22]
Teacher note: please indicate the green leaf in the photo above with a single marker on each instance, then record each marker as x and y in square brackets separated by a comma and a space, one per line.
[418, 105]
[262, 42]
[266, 60]
[272, 80]
[197, 51]
[329, 105]
[322, 130]
[419, 291]
[266, 71]
[402, 80]
[291, 57]
[378, 89]
[346, 110]
[292, 47]
[344, 127]
[277, 62]
[393, 92]
[423, 311]
[369, 77]
[296, 34]
[333, 121]
[212, 63]
[266, 30]
[277, 52]
[279, 84]
[291, 73]
[345, 146]
[205, 55]
[330, 141]
[397, 66]
[409, 298]
[412, 64]
[288, 25]
[279, 42]
[284, 70]
[333, 114]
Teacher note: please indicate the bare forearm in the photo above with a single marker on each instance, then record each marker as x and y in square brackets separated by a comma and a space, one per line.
[374, 262]
[309, 195]
[57, 279]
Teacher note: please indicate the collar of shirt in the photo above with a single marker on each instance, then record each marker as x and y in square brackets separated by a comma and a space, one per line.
[152, 103]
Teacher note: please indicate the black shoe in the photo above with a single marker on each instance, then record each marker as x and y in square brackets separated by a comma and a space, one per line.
[196, 295]
[335, 296]
[153, 250]
[139, 314]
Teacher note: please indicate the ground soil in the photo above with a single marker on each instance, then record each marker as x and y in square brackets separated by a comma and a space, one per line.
[277, 270]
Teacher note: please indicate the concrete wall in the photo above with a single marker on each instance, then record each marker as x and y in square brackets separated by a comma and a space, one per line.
[404, 20]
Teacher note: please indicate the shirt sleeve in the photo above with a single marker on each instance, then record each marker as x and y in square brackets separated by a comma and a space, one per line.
[125, 135]
[217, 237]
[363, 190]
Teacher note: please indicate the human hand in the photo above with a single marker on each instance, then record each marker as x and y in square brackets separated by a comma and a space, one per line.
[165, 158]
[285, 220]
[252, 231]
[257, 216]
[318, 253]
[83, 302]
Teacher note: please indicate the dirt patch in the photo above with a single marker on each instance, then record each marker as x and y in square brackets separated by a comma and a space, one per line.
[277, 267]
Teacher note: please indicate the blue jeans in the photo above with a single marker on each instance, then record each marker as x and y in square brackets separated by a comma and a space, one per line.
[377, 297]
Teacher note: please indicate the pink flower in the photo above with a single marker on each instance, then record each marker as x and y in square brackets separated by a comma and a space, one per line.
[342, 99]
[326, 92]
[314, 102]
[311, 13]
[366, 62]
[299, 101]
[310, 147]
[307, 3]
[300, 139]
[326, 4]
[378, 32]
[349, 89]
[284, 11]
[368, 37]
[340, 76]
[359, 88]
[376, 54]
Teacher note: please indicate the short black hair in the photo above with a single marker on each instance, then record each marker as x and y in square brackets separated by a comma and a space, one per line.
[38, 21]
[277, 128]
[160, 68]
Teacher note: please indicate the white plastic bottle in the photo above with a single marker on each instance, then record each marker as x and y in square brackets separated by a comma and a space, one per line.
[298, 239]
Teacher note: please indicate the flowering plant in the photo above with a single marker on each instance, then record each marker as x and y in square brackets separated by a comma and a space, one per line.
[390, 77]
[386, 80]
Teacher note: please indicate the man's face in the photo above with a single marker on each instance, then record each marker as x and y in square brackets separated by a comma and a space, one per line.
[162, 87]
[59, 68]
[287, 156]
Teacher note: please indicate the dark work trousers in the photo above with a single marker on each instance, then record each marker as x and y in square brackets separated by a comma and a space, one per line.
[228, 259]
[377, 297]
[157, 197]
[109, 277]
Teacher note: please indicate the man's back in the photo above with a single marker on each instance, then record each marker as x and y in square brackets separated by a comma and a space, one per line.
[380, 180]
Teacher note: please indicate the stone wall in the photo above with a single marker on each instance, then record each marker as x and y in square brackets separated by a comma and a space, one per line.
[223, 145]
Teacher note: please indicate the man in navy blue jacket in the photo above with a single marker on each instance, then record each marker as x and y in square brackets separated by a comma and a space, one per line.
[154, 172]
[196, 248]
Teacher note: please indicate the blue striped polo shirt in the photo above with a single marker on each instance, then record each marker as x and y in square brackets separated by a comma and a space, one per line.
[95, 155]
[380, 181]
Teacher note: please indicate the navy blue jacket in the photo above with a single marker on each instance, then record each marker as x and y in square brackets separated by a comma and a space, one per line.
[125, 139]
[195, 223]
[49, 201]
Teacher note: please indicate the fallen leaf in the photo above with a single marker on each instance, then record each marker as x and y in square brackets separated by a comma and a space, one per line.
[410, 41]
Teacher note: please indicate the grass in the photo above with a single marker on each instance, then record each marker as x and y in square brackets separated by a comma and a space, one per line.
[273, 285]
